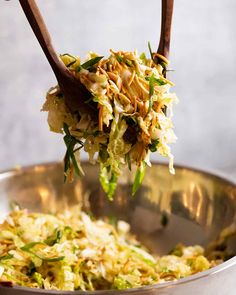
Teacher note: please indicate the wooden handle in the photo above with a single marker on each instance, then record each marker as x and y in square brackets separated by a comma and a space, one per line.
[166, 18]
[39, 28]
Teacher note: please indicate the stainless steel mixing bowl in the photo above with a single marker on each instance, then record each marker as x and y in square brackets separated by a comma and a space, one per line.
[192, 207]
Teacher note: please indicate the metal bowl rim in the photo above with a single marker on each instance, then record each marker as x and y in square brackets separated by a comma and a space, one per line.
[210, 272]
[209, 172]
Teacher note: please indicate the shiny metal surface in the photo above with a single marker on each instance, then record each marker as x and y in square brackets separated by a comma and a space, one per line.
[195, 207]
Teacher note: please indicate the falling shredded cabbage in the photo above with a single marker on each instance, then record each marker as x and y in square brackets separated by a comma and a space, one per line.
[74, 251]
[134, 111]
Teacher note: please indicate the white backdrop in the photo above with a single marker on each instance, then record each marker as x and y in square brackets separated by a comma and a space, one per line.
[203, 55]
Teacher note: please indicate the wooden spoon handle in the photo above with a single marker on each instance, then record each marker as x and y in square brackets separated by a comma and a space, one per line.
[39, 28]
[166, 18]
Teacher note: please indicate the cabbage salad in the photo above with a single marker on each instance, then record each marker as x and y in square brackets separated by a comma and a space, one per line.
[74, 251]
[134, 111]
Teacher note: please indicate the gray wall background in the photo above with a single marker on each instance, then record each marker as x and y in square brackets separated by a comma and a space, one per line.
[203, 55]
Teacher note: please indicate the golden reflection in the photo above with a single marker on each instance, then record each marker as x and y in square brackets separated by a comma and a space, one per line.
[44, 194]
[78, 192]
[210, 214]
[165, 202]
[39, 168]
[185, 199]
[47, 199]
[199, 203]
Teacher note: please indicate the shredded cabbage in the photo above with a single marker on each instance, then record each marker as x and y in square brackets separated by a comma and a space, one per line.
[134, 105]
[74, 251]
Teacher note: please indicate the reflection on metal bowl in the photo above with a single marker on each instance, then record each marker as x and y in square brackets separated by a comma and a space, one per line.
[192, 207]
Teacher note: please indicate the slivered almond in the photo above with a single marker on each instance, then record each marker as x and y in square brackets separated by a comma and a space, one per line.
[114, 85]
[103, 72]
[131, 78]
[140, 104]
[132, 99]
[136, 65]
[112, 76]
[102, 62]
[8, 242]
[157, 106]
[136, 91]
[135, 104]
[124, 98]
[123, 89]
[119, 82]
[145, 82]
[118, 66]
[141, 86]
[108, 90]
